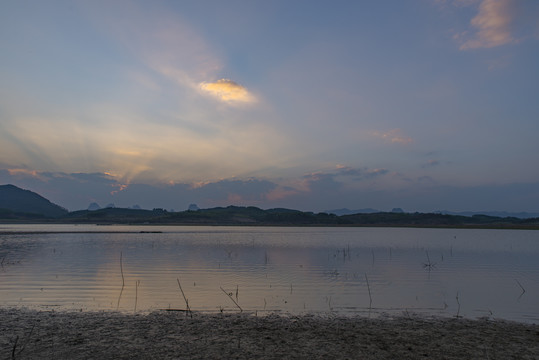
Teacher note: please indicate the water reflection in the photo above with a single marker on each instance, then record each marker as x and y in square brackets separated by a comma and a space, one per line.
[295, 270]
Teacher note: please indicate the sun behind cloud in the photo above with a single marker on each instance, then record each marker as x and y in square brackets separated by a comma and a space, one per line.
[228, 91]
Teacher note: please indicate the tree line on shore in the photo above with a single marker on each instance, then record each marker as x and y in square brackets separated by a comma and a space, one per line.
[18, 205]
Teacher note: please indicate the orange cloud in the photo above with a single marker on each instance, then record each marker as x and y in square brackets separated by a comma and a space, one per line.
[493, 24]
[120, 187]
[25, 172]
[227, 91]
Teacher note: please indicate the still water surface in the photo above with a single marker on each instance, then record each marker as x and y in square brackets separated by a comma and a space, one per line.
[346, 271]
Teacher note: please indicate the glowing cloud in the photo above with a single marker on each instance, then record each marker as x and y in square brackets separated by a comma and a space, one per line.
[228, 91]
[25, 172]
[120, 187]
[493, 25]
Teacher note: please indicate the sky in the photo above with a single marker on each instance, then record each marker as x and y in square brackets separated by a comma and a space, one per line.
[312, 105]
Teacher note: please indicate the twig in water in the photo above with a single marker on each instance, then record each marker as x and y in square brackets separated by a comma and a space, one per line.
[458, 309]
[522, 287]
[184, 298]
[231, 298]
[122, 270]
[123, 282]
[429, 265]
[136, 294]
[237, 290]
[369, 289]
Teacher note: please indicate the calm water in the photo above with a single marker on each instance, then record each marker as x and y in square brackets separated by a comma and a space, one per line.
[347, 271]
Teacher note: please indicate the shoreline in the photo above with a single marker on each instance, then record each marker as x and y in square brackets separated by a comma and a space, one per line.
[396, 226]
[31, 334]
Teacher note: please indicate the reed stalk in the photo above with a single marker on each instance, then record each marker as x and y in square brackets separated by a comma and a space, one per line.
[522, 287]
[123, 282]
[231, 298]
[369, 289]
[122, 270]
[136, 294]
[458, 309]
[184, 298]
[428, 265]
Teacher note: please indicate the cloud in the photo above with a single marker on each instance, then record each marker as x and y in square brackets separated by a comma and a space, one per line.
[227, 91]
[24, 173]
[319, 191]
[499, 22]
[493, 24]
[281, 193]
[431, 163]
[360, 174]
[394, 136]
[321, 184]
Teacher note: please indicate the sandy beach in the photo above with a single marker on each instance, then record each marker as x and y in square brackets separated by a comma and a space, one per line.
[28, 334]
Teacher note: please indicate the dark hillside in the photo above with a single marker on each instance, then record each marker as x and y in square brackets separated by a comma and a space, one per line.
[15, 201]
[231, 215]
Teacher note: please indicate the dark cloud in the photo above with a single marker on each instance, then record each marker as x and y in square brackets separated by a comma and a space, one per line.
[322, 183]
[360, 174]
[312, 192]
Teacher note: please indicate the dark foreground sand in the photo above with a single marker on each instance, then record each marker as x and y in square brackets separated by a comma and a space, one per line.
[26, 334]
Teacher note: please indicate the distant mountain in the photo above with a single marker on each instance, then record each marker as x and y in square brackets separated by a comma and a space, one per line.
[502, 214]
[193, 207]
[94, 206]
[18, 203]
[345, 211]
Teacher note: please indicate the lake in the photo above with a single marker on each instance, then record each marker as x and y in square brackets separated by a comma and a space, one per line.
[289, 270]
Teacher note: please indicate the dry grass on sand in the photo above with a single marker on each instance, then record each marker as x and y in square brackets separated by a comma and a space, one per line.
[26, 334]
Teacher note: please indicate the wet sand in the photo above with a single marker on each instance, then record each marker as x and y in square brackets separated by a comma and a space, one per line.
[28, 334]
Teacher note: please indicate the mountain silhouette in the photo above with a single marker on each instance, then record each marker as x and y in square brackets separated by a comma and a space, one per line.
[17, 202]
